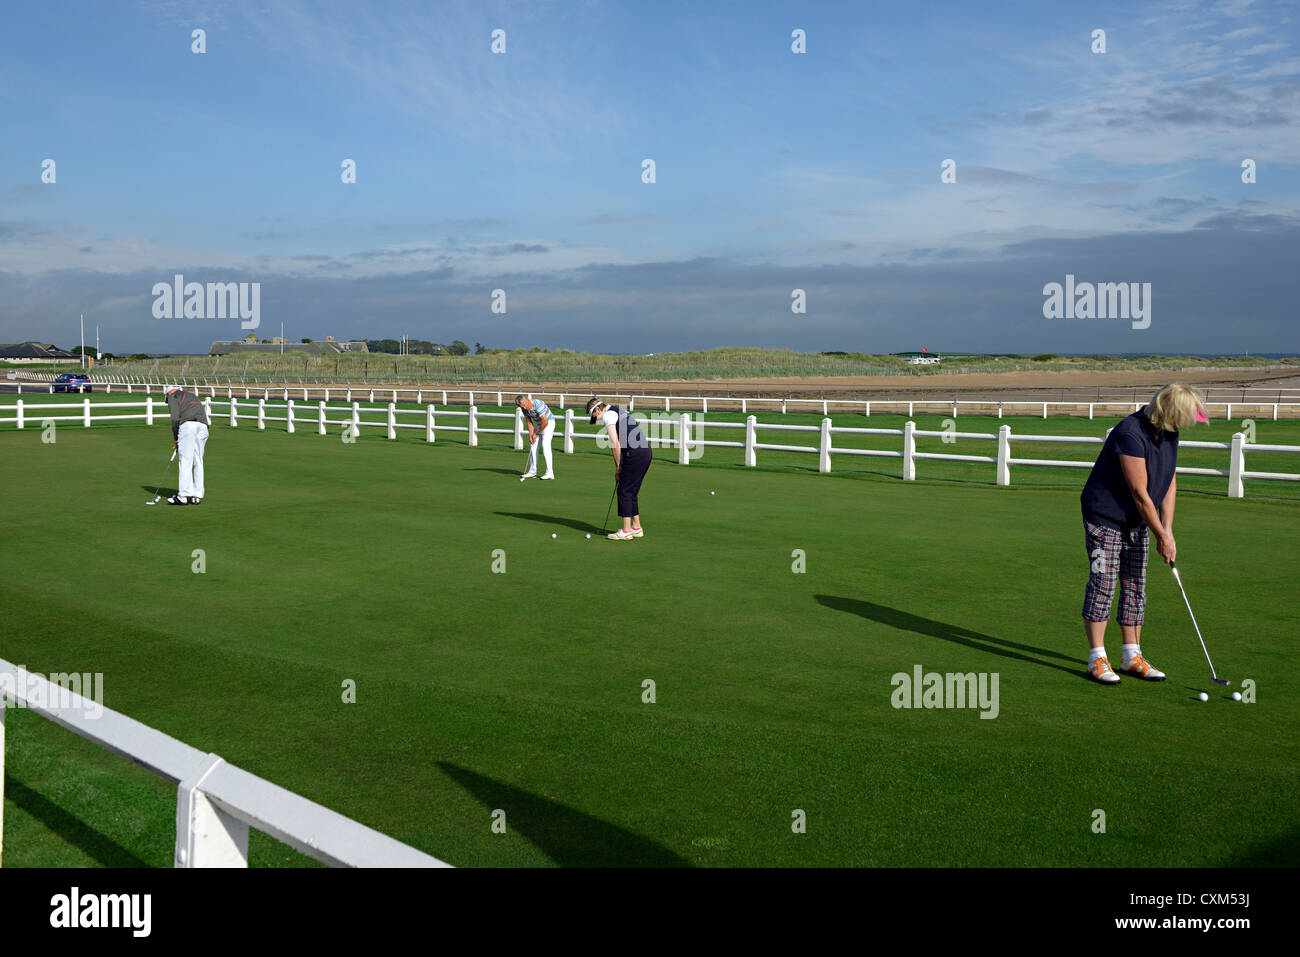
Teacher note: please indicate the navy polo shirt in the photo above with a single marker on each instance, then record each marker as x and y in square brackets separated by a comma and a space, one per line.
[1106, 498]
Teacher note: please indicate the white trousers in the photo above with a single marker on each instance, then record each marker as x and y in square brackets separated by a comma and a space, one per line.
[544, 440]
[190, 440]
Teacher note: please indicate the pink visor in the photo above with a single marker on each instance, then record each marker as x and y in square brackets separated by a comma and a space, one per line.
[1200, 415]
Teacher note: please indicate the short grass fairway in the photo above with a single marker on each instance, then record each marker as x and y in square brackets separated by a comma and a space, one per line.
[523, 692]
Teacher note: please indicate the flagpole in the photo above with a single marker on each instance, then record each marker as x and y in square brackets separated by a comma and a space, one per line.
[83, 340]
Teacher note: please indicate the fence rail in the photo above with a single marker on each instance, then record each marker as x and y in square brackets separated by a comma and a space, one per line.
[1270, 402]
[216, 803]
[678, 431]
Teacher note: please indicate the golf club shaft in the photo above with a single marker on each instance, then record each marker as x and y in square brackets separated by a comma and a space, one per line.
[604, 525]
[1186, 602]
[158, 491]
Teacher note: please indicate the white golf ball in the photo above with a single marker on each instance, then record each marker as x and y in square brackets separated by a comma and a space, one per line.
[552, 534]
[1236, 696]
[713, 493]
[521, 478]
[1203, 696]
[589, 534]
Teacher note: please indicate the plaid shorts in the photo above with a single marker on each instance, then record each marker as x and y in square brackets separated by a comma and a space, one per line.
[1116, 557]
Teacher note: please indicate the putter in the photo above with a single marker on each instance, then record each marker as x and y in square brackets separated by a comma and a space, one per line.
[1214, 677]
[157, 492]
[607, 508]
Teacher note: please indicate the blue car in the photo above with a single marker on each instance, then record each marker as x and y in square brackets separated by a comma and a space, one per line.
[73, 382]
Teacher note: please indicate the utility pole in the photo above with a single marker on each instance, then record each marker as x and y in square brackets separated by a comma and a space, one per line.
[82, 355]
[99, 356]
[282, 338]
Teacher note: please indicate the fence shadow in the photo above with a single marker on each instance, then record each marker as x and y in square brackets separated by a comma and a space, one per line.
[567, 836]
[106, 851]
[905, 621]
[554, 520]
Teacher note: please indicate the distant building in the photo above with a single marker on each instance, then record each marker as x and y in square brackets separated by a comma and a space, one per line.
[329, 347]
[35, 353]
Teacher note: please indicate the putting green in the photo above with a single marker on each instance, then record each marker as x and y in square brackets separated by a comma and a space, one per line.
[523, 691]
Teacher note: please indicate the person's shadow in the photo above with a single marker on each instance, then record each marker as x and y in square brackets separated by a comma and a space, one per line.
[162, 490]
[498, 471]
[905, 621]
[553, 520]
[569, 837]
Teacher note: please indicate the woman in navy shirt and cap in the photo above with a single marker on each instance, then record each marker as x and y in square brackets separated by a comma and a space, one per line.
[632, 458]
[1128, 498]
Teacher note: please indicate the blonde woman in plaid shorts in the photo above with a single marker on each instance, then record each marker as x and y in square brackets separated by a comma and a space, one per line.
[1129, 497]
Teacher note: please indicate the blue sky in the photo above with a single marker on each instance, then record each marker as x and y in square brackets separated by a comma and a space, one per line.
[775, 171]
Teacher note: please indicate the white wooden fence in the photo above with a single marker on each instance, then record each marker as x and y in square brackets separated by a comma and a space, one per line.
[216, 802]
[677, 431]
[1268, 402]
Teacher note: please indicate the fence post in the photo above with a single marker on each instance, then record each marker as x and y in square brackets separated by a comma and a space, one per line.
[327, 395]
[85, 414]
[1089, 411]
[473, 426]
[3, 709]
[1237, 465]
[288, 418]
[868, 410]
[742, 406]
[207, 409]
[419, 397]
[1044, 410]
[1004, 455]
[568, 431]
[705, 403]
[320, 418]
[954, 408]
[428, 424]
[392, 420]
[519, 428]
[130, 389]
[372, 395]
[501, 405]
[286, 394]
[394, 395]
[750, 458]
[349, 399]
[148, 410]
[356, 420]
[261, 414]
[629, 403]
[444, 396]
[824, 452]
[909, 410]
[783, 406]
[206, 836]
[999, 410]
[684, 438]
[1229, 415]
[1274, 411]
[909, 450]
[234, 420]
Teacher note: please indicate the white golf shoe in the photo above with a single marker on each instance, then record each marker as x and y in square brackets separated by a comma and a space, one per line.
[622, 536]
[1101, 672]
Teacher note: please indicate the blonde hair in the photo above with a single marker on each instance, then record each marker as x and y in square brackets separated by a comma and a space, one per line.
[1175, 407]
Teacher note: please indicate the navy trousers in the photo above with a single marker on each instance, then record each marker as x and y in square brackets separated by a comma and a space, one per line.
[635, 464]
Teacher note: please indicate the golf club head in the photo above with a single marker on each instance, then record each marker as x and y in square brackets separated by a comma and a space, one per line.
[1220, 681]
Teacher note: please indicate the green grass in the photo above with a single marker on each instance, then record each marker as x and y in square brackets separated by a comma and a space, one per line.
[522, 691]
